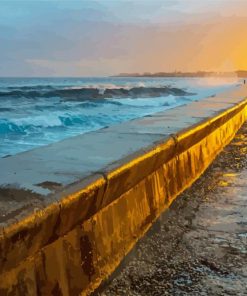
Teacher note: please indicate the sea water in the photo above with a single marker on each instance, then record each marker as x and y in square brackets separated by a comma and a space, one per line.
[39, 111]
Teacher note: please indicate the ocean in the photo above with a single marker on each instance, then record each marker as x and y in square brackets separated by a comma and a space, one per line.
[39, 111]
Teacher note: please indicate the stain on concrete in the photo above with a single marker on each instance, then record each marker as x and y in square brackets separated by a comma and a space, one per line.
[50, 185]
[87, 256]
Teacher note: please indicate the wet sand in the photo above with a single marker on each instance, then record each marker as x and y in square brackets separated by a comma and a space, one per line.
[198, 246]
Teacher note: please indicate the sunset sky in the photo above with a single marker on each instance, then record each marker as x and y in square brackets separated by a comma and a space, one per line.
[96, 38]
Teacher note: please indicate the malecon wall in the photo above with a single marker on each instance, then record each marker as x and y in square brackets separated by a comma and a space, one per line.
[85, 226]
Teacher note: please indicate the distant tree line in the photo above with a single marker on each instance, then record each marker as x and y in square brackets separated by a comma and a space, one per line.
[239, 73]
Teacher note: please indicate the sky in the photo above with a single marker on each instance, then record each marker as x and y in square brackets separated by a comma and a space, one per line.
[107, 37]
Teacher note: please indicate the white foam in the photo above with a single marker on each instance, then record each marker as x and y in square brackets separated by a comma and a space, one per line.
[147, 102]
[46, 120]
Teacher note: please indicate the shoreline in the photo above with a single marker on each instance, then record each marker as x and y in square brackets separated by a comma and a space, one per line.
[99, 199]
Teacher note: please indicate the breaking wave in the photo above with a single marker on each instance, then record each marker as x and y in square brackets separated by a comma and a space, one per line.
[82, 93]
[65, 115]
[39, 111]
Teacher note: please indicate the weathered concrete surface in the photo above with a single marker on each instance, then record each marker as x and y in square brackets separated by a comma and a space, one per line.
[102, 191]
[198, 246]
[29, 180]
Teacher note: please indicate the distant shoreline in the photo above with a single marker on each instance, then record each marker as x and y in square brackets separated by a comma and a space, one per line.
[199, 74]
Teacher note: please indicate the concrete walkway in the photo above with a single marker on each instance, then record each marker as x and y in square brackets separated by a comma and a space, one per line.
[199, 246]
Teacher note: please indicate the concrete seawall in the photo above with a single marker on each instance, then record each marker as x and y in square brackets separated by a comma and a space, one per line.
[72, 210]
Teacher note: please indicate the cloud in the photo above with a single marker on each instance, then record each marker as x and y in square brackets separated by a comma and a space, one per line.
[74, 38]
[83, 67]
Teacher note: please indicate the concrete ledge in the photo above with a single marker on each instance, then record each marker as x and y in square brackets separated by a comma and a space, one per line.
[92, 217]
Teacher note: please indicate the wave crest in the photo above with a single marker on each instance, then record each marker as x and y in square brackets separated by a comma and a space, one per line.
[85, 93]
